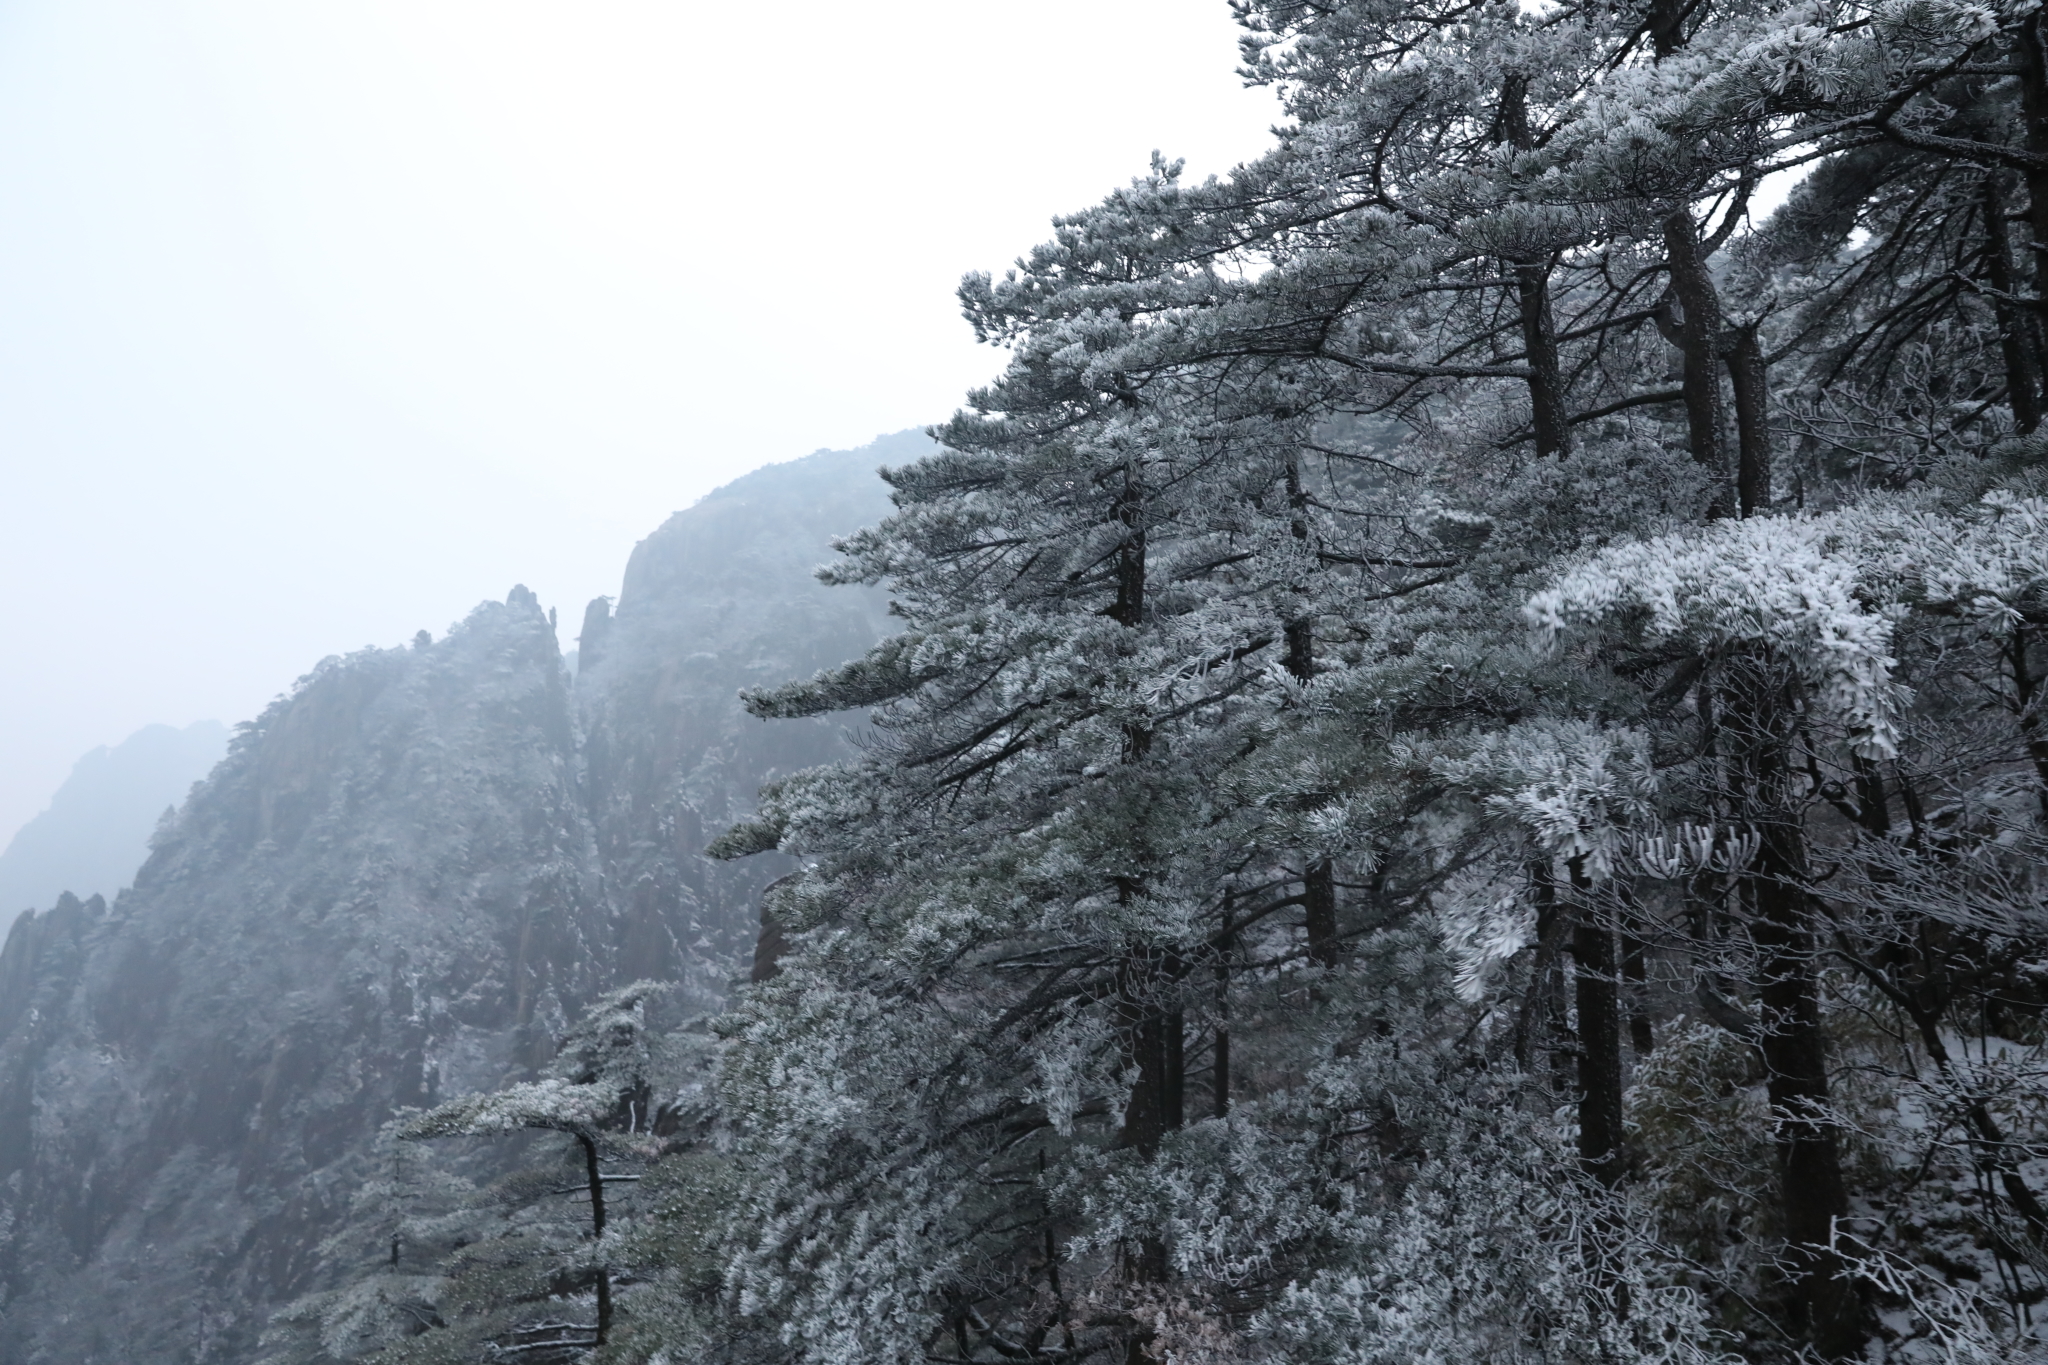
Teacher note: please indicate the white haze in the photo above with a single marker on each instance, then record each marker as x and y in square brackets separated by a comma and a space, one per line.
[321, 321]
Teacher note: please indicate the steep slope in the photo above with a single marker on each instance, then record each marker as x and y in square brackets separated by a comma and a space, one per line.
[95, 832]
[396, 887]
[387, 888]
[721, 597]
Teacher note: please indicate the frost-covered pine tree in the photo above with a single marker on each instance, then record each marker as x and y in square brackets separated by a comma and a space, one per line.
[1463, 777]
[519, 1265]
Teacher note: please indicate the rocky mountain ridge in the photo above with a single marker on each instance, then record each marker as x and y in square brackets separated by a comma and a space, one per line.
[397, 886]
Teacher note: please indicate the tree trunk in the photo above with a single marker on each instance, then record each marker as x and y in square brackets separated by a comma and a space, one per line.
[1300, 640]
[1319, 913]
[1146, 1121]
[1156, 1048]
[1752, 422]
[1154, 1103]
[1667, 26]
[1299, 632]
[1873, 807]
[1219, 1073]
[1532, 1019]
[1319, 882]
[1129, 607]
[1598, 1001]
[604, 1274]
[1539, 340]
[1695, 328]
[2033, 63]
[1154, 1108]
[1812, 1191]
[1642, 1037]
[1174, 1025]
[2030, 699]
[2018, 337]
[1547, 412]
[1635, 974]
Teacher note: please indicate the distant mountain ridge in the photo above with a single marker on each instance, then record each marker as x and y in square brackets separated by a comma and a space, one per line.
[95, 832]
[397, 886]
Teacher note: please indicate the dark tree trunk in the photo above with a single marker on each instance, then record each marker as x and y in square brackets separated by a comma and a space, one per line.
[1319, 882]
[1319, 914]
[1547, 413]
[1145, 1123]
[604, 1275]
[1694, 326]
[1155, 1106]
[1129, 607]
[2033, 63]
[1219, 1076]
[1635, 975]
[1538, 1006]
[1176, 1105]
[1158, 1095]
[1642, 1036]
[1597, 998]
[2030, 699]
[1813, 1192]
[1300, 639]
[1693, 320]
[1219, 1073]
[1299, 633]
[2018, 337]
[1667, 26]
[1759, 715]
[1752, 422]
[1873, 807]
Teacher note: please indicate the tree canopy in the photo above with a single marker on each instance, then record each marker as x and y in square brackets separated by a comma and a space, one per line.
[1464, 776]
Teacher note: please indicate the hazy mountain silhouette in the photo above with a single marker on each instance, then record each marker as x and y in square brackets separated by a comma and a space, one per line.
[95, 833]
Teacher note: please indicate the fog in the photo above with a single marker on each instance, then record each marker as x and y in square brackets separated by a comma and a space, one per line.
[320, 322]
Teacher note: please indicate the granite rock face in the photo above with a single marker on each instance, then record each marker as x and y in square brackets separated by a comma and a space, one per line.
[720, 598]
[398, 886]
[388, 886]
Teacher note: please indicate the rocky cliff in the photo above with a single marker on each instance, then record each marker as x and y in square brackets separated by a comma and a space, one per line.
[397, 886]
[721, 597]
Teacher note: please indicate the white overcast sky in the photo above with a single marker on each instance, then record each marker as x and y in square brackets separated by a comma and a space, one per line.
[322, 320]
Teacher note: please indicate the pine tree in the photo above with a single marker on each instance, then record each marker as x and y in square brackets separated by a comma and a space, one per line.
[1460, 635]
[533, 1277]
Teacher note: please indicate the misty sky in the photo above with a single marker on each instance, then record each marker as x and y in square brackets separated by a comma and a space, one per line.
[321, 321]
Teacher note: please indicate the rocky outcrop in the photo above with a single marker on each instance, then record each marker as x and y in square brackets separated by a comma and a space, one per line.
[720, 598]
[398, 886]
[387, 889]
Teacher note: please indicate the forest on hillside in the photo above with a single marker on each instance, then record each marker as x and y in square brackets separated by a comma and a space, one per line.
[1462, 775]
